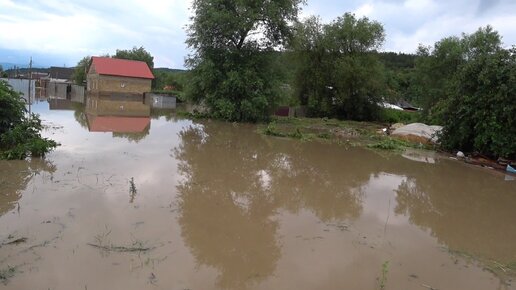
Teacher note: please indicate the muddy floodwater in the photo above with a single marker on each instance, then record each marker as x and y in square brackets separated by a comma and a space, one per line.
[138, 198]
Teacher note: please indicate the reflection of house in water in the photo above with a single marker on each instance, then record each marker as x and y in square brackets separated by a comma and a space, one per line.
[118, 124]
[60, 104]
[125, 116]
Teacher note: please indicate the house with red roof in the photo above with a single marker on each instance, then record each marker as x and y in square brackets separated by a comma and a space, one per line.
[112, 75]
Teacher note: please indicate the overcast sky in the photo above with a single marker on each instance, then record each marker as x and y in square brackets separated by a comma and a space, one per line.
[61, 32]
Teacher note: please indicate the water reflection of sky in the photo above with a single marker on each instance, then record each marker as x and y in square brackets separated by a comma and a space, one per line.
[101, 150]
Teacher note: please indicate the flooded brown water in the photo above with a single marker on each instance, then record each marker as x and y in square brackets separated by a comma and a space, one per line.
[218, 206]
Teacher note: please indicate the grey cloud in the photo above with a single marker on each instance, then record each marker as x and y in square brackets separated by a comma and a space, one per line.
[486, 5]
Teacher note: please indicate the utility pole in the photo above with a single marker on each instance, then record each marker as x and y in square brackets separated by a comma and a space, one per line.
[30, 81]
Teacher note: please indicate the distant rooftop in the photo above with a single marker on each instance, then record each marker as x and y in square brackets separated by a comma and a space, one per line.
[64, 73]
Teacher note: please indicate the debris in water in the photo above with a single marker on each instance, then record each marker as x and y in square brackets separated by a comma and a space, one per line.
[12, 242]
[429, 287]
[121, 249]
[132, 190]
[152, 279]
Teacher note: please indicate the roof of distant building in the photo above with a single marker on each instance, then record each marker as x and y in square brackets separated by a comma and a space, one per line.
[122, 67]
[63, 73]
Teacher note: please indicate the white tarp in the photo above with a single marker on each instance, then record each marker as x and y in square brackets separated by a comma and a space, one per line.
[391, 106]
[419, 130]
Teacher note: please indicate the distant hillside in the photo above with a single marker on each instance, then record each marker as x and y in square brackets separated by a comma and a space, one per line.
[169, 70]
[26, 70]
[9, 65]
[395, 60]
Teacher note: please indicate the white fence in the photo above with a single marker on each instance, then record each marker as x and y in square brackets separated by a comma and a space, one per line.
[22, 86]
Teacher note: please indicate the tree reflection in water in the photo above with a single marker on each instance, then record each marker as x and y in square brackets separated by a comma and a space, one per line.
[15, 175]
[236, 180]
[467, 210]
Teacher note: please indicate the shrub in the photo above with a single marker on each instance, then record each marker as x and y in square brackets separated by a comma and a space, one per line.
[19, 134]
[397, 116]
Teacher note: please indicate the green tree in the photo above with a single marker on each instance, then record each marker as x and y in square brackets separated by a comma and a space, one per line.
[19, 134]
[3, 74]
[339, 73]
[434, 76]
[136, 53]
[481, 113]
[232, 73]
[81, 70]
[465, 84]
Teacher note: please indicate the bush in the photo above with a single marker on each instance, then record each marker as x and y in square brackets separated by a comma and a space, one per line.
[390, 144]
[12, 108]
[19, 134]
[397, 116]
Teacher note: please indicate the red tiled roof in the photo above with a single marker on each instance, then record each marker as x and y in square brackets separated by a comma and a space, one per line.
[121, 67]
[118, 124]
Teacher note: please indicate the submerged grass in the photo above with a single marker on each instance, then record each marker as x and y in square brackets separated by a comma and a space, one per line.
[132, 190]
[322, 129]
[383, 278]
[389, 143]
[504, 271]
[7, 273]
[102, 242]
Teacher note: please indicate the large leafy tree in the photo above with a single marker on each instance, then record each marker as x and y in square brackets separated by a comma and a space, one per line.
[136, 53]
[338, 73]
[231, 64]
[434, 76]
[465, 84]
[480, 115]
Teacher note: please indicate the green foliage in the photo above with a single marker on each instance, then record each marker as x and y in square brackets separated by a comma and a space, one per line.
[390, 144]
[174, 79]
[81, 70]
[383, 277]
[393, 60]
[136, 53]
[481, 114]
[465, 84]
[24, 139]
[232, 72]
[397, 116]
[434, 76]
[339, 74]
[12, 108]
[271, 130]
[19, 135]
